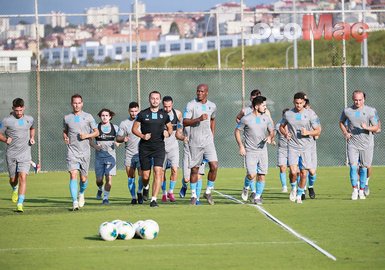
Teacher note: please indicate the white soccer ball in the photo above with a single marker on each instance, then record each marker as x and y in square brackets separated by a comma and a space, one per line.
[117, 222]
[126, 231]
[137, 226]
[108, 231]
[149, 230]
[154, 223]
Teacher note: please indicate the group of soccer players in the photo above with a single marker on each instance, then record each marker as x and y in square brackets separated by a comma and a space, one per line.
[150, 137]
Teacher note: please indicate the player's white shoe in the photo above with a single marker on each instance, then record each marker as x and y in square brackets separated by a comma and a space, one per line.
[284, 189]
[299, 199]
[361, 194]
[75, 206]
[355, 194]
[293, 194]
[245, 194]
[366, 190]
[81, 200]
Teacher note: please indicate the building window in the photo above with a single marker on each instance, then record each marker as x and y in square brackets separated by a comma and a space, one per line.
[46, 55]
[56, 55]
[226, 43]
[66, 54]
[80, 53]
[90, 52]
[134, 48]
[162, 48]
[100, 51]
[118, 50]
[211, 44]
[143, 49]
[187, 46]
[174, 47]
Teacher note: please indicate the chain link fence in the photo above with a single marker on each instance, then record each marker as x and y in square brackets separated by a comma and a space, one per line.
[115, 89]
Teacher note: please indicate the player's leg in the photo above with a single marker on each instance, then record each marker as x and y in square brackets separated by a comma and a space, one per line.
[312, 175]
[74, 188]
[107, 189]
[110, 171]
[249, 180]
[282, 164]
[186, 170]
[166, 165]
[99, 173]
[158, 159]
[199, 186]
[13, 178]
[366, 157]
[293, 157]
[262, 167]
[174, 164]
[83, 184]
[211, 155]
[193, 184]
[353, 156]
[22, 175]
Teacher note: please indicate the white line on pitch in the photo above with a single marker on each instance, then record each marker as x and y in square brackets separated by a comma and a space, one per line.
[283, 225]
[102, 246]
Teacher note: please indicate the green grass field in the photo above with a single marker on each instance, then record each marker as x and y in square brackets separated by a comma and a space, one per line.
[227, 235]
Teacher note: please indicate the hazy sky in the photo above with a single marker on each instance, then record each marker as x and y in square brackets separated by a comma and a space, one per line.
[78, 6]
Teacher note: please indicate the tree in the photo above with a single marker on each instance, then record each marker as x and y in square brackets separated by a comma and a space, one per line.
[107, 60]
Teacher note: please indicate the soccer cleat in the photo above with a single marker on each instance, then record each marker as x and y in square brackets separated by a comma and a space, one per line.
[299, 199]
[105, 201]
[140, 198]
[198, 203]
[252, 196]
[361, 194]
[171, 197]
[258, 200]
[99, 195]
[81, 200]
[284, 189]
[245, 194]
[209, 198]
[366, 191]
[293, 194]
[15, 195]
[311, 193]
[193, 201]
[154, 204]
[182, 192]
[134, 201]
[303, 196]
[164, 198]
[19, 208]
[75, 206]
[145, 194]
[355, 194]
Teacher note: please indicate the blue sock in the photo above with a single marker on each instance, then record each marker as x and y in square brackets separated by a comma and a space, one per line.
[253, 186]
[15, 187]
[199, 187]
[74, 189]
[131, 186]
[311, 179]
[164, 185]
[246, 183]
[140, 184]
[363, 176]
[353, 175]
[20, 199]
[83, 186]
[282, 177]
[172, 185]
[193, 187]
[260, 187]
[300, 191]
[210, 184]
[293, 185]
[184, 184]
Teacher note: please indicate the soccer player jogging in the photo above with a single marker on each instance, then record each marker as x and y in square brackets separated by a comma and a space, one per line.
[362, 122]
[199, 115]
[172, 148]
[105, 154]
[258, 130]
[302, 125]
[131, 161]
[282, 157]
[17, 131]
[78, 128]
[151, 146]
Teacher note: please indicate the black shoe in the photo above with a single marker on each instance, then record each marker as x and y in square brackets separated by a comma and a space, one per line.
[311, 193]
[145, 194]
[303, 196]
[134, 201]
[140, 198]
[154, 204]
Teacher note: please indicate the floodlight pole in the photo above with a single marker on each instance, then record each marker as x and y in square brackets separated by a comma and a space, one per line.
[218, 41]
[344, 75]
[242, 58]
[364, 46]
[295, 52]
[137, 52]
[38, 84]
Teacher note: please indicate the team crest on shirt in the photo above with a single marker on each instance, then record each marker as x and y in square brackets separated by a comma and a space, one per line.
[161, 116]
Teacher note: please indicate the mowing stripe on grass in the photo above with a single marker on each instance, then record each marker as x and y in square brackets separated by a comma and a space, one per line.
[283, 225]
[151, 246]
